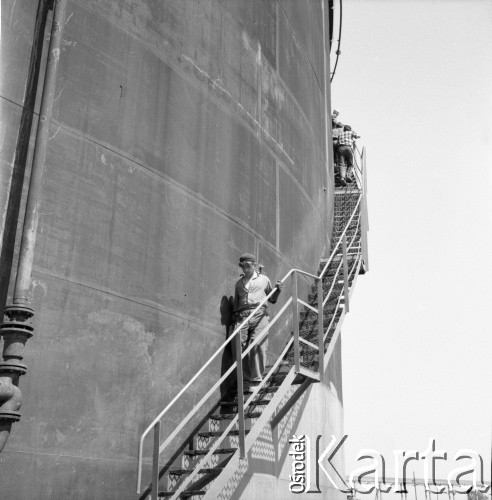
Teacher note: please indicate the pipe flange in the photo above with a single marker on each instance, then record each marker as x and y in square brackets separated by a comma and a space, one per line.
[17, 368]
[12, 310]
[12, 416]
[17, 321]
[16, 328]
[21, 325]
[18, 312]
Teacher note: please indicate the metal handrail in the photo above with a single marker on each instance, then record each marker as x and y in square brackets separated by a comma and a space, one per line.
[233, 422]
[339, 299]
[344, 232]
[156, 422]
[349, 245]
[358, 170]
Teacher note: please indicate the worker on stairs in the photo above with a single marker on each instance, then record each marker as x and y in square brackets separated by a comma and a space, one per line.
[345, 154]
[251, 288]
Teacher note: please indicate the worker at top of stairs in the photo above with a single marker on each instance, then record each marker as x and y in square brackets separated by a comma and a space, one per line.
[345, 153]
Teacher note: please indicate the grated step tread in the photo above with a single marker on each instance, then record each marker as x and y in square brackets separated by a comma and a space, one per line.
[230, 416]
[209, 434]
[218, 451]
[185, 494]
[258, 402]
[207, 470]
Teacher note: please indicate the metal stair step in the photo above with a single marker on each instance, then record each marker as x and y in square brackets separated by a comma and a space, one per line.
[269, 389]
[218, 451]
[230, 416]
[341, 219]
[298, 380]
[185, 494]
[210, 434]
[332, 300]
[311, 316]
[307, 326]
[278, 376]
[205, 475]
[257, 402]
[207, 470]
[345, 206]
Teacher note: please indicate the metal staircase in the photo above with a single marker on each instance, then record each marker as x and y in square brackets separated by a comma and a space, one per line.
[206, 462]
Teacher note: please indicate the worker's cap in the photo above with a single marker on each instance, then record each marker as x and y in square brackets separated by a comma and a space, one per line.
[247, 256]
[336, 112]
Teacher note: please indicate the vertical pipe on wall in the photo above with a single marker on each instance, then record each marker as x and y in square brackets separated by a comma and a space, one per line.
[24, 268]
[12, 207]
[17, 321]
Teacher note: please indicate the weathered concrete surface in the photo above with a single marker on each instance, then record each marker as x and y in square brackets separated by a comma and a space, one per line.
[185, 132]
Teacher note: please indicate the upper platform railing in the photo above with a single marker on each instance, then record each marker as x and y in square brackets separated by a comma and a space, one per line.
[352, 255]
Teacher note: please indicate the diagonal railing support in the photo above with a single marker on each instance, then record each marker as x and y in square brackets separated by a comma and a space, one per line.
[295, 320]
[291, 402]
[364, 215]
[240, 397]
[321, 332]
[345, 273]
[155, 461]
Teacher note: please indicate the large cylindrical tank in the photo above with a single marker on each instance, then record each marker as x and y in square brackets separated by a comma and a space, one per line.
[184, 133]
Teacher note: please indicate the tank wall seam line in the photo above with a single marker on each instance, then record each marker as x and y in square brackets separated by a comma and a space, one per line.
[21, 106]
[301, 44]
[109, 291]
[301, 112]
[162, 56]
[197, 84]
[159, 175]
[65, 455]
[220, 103]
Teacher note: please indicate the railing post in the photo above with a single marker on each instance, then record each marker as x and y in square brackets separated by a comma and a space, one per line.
[364, 170]
[345, 273]
[363, 236]
[295, 321]
[240, 396]
[364, 216]
[155, 461]
[321, 330]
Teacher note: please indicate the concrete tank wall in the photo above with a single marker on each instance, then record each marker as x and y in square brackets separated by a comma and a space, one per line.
[184, 133]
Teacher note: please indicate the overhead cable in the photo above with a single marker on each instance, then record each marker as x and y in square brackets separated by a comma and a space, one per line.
[338, 51]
